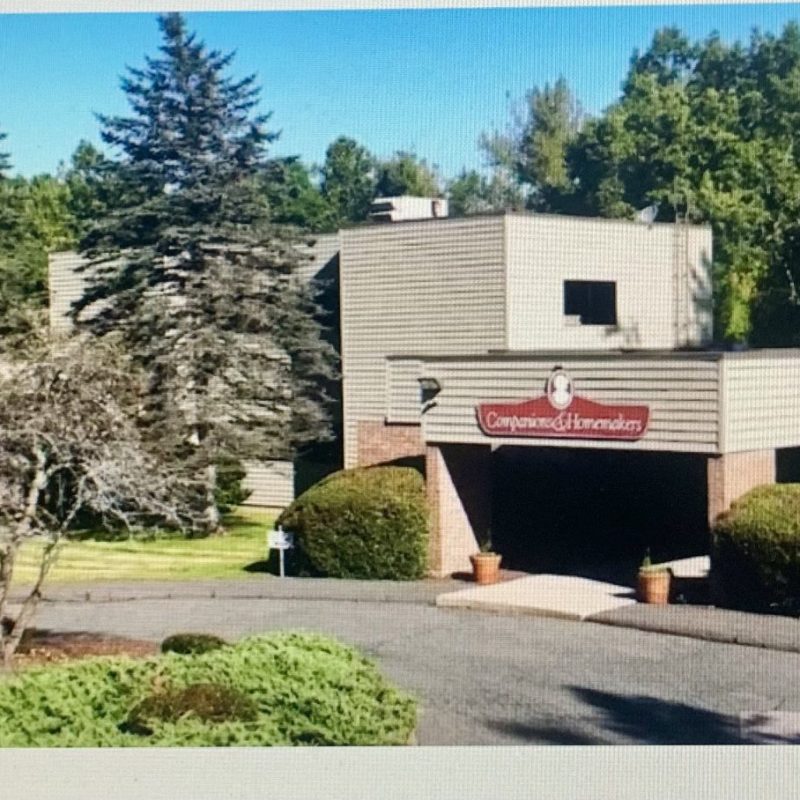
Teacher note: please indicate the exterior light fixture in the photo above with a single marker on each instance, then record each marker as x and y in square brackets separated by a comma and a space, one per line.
[429, 388]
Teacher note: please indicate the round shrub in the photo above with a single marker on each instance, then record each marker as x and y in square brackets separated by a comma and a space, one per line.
[756, 550]
[368, 523]
[190, 643]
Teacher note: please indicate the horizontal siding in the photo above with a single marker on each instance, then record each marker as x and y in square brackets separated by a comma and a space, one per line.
[682, 394]
[652, 311]
[66, 285]
[762, 400]
[270, 483]
[428, 288]
[402, 390]
[318, 255]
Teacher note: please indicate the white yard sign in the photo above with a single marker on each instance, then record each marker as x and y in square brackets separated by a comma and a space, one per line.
[281, 541]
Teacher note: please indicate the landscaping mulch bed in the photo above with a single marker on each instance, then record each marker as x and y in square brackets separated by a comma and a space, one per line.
[51, 647]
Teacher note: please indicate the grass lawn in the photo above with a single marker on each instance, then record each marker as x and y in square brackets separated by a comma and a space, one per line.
[168, 559]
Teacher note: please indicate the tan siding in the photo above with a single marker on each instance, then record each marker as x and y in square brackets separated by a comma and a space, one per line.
[323, 249]
[762, 400]
[682, 394]
[546, 250]
[271, 483]
[66, 285]
[417, 289]
[402, 390]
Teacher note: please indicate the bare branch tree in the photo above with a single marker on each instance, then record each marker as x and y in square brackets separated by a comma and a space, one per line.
[69, 445]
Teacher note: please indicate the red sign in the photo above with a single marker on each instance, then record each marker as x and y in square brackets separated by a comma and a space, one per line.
[560, 414]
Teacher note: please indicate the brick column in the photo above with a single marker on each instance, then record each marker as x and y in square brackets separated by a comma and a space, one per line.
[458, 480]
[379, 443]
[733, 474]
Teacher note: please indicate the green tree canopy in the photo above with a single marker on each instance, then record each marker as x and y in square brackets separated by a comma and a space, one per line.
[95, 186]
[348, 180]
[293, 197]
[533, 151]
[706, 130]
[407, 174]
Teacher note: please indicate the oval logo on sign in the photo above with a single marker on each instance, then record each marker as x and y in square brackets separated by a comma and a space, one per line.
[560, 390]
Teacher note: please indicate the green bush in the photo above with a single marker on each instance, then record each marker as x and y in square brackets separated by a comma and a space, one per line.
[366, 523]
[230, 492]
[756, 550]
[306, 689]
[192, 643]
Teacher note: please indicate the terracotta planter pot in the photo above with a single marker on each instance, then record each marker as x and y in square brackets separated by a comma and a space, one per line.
[486, 567]
[653, 586]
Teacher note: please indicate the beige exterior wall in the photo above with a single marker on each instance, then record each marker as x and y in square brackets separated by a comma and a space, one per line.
[321, 251]
[402, 390]
[662, 274]
[762, 400]
[418, 289]
[682, 392]
[706, 402]
[66, 285]
[271, 483]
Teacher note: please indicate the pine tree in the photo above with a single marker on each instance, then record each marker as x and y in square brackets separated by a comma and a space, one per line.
[189, 269]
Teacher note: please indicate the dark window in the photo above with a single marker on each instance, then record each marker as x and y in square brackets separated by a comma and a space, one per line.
[595, 302]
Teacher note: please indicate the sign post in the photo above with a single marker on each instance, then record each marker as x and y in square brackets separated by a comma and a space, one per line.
[281, 541]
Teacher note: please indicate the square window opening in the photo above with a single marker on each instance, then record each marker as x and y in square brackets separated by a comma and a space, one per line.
[593, 302]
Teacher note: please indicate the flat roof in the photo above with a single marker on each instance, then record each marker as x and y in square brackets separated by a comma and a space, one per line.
[372, 224]
[709, 354]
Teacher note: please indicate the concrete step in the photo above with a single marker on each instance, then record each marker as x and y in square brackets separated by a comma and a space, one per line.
[564, 596]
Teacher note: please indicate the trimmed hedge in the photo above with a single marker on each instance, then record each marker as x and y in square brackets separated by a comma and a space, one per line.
[368, 523]
[192, 643]
[305, 689]
[756, 550]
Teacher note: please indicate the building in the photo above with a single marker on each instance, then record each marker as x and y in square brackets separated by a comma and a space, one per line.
[550, 374]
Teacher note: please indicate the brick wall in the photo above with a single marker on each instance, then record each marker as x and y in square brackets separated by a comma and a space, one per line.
[458, 482]
[379, 443]
[734, 474]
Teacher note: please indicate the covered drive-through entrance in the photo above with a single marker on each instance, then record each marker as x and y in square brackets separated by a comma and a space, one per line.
[571, 458]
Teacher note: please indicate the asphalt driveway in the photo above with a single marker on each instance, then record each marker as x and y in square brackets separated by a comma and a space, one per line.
[488, 679]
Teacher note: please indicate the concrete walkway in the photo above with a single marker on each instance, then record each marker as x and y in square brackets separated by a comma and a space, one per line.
[564, 596]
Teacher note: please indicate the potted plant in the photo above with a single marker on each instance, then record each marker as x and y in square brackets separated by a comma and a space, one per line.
[486, 563]
[653, 582]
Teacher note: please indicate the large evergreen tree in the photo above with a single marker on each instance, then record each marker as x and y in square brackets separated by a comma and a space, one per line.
[195, 276]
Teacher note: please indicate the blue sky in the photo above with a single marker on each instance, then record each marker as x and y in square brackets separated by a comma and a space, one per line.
[424, 80]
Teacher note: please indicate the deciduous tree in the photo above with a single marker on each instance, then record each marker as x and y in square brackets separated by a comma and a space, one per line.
[69, 444]
[348, 180]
